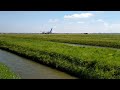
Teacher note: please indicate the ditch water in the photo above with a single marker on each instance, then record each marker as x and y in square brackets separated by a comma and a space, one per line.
[28, 69]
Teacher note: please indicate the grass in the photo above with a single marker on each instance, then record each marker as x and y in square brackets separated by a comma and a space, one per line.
[105, 40]
[83, 62]
[6, 73]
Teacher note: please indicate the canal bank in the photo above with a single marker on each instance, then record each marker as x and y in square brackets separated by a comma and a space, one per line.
[28, 69]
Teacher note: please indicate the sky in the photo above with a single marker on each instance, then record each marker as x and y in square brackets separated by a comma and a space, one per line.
[60, 21]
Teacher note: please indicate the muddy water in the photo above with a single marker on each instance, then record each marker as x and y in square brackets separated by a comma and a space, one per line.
[28, 69]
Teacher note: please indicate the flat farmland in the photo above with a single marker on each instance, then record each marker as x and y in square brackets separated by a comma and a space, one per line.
[83, 62]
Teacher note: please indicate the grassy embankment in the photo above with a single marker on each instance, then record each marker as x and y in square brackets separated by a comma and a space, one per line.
[83, 62]
[6, 73]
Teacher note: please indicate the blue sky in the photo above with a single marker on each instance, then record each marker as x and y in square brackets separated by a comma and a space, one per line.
[61, 21]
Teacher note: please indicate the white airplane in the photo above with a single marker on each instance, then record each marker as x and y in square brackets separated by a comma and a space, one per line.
[48, 31]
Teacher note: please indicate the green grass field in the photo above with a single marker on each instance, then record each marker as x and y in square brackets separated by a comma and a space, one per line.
[6, 73]
[83, 62]
[105, 40]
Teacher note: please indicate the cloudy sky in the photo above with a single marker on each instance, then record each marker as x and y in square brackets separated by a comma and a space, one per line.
[61, 21]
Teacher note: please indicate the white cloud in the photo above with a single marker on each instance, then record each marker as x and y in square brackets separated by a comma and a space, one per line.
[100, 20]
[80, 22]
[115, 27]
[53, 20]
[106, 24]
[77, 16]
[112, 28]
[54, 26]
[70, 23]
[99, 11]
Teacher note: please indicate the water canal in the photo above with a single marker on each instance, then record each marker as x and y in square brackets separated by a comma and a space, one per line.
[28, 69]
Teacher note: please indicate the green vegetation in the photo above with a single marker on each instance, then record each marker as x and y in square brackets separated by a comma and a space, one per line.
[83, 62]
[6, 73]
[105, 40]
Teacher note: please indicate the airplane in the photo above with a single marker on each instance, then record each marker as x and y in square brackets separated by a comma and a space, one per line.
[49, 32]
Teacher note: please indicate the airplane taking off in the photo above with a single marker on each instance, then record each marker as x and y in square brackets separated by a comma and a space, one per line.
[51, 30]
[48, 31]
